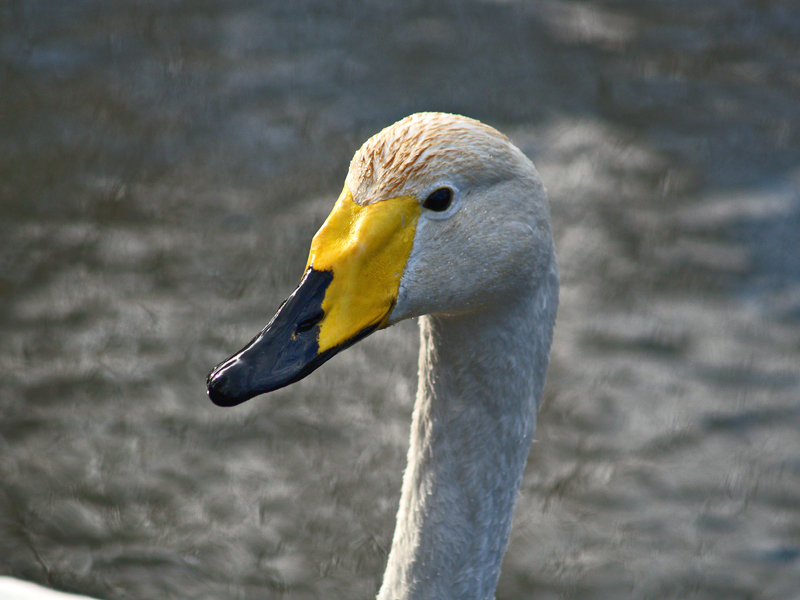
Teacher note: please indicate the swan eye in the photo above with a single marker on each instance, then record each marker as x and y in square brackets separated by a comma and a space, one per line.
[439, 200]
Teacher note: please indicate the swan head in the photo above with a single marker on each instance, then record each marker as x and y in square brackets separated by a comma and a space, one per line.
[440, 214]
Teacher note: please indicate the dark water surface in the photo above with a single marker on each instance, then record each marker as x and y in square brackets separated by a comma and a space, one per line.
[163, 166]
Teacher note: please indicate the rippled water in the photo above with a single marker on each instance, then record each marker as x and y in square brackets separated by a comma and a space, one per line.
[163, 166]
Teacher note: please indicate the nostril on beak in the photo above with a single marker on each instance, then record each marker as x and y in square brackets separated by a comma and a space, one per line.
[309, 323]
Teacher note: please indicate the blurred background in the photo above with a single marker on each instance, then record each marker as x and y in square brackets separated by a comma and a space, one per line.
[163, 166]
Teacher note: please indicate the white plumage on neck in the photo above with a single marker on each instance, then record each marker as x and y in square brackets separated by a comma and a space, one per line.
[480, 379]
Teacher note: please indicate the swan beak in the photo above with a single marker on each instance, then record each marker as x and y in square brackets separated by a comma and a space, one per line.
[350, 286]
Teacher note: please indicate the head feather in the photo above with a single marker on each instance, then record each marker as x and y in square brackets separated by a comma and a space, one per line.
[426, 149]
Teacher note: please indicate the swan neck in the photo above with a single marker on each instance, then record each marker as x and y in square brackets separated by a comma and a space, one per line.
[480, 379]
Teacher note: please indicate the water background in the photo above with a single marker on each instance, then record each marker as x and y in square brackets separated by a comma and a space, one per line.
[163, 166]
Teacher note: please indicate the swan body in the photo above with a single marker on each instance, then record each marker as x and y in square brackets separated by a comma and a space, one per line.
[16, 589]
[443, 218]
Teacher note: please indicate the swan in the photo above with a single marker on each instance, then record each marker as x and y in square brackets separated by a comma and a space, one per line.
[441, 217]
[16, 589]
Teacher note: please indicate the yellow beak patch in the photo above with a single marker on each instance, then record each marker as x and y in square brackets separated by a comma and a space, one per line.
[366, 248]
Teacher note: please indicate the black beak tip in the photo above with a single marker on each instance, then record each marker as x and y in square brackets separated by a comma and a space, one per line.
[218, 393]
[219, 398]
